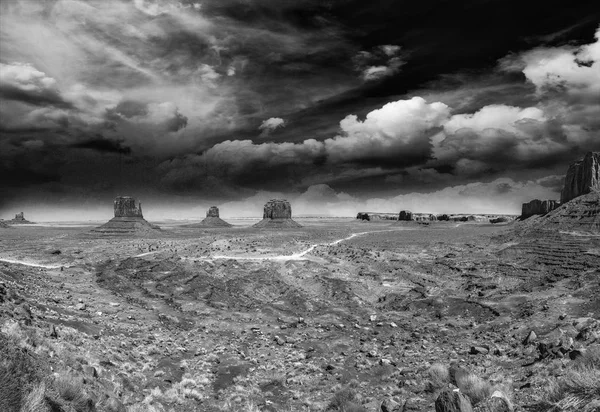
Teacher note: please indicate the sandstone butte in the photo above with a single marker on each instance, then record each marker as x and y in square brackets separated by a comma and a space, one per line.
[277, 214]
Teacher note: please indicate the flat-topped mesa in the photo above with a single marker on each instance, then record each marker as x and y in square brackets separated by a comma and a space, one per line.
[212, 219]
[213, 211]
[125, 207]
[277, 213]
[583, 177]
[405, 215]
[20, 217]
[538, 207]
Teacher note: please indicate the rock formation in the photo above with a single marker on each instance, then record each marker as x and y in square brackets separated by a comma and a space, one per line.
[125, 207]
[452, 401]
[579, 214]
[538, 207]
[277, 213]
[128, 219]
[376, 216]
[3, 224]
[423, 217]
[18, 220]
[213, 220]
[405, 215]
[582, 177]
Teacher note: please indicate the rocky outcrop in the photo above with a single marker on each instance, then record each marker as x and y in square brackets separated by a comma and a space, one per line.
[405, 215]
[213, 211]
[3, 224]
[452, 401]
[277, 213]
[125, 207]
[579, 214]
[128, 220]
[443, 218]
[583, 177]
[19, 220]
[538, 207]
[376, 216]
[213, 220]
[423, 217]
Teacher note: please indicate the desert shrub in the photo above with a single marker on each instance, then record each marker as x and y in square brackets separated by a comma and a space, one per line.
[35, 401]
[344, 401]
[474, 387]
[70, 389]
[17, 372]
[589, 360]
[439, 377]
[576, 391]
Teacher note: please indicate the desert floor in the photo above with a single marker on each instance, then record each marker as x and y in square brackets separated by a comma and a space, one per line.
[242, 318]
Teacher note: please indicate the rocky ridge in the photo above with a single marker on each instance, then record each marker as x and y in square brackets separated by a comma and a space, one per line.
[583, 177]
[538, 207]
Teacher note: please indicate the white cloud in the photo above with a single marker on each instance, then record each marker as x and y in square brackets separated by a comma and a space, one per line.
[575, 70]
[25, 77]
[267, 126]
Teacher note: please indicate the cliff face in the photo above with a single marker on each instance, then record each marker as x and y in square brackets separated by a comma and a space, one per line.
[277, 209]
[582, 177]
[213, 211]
[125, 207]
[538, 207]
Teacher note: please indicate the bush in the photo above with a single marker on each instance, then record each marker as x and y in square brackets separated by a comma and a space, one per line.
[344, 401]
[474, 387]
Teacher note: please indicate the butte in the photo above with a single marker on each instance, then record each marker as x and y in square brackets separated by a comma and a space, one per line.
[128, 220]
[277, 214]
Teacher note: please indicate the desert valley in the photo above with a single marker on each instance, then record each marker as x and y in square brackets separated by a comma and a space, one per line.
[306, 314]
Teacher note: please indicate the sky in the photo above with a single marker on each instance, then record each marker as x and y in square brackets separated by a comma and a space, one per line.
[340, 106]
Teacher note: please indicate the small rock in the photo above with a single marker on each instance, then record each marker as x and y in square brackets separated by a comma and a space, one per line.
[389, 405]
[393, 325]
[373, 318]
[279, 341]
[479, 350]
[531, 338]
[80, 306]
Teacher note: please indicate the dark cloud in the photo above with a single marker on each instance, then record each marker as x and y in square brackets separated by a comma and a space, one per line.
[103, 145]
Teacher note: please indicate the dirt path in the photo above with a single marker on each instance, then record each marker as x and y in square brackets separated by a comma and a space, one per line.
[299, 255]
[35, 265]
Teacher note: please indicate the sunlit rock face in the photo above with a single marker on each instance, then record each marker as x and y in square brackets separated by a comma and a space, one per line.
[538, 207]
[277, 213]
[125, 206]
[582, 178]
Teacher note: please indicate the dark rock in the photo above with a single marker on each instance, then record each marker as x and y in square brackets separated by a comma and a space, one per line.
[405, 215]
[363, 216]
[389, 405]
[125, 207]
[452, 401]
[479, 350]
[538, 207]
[583, 177]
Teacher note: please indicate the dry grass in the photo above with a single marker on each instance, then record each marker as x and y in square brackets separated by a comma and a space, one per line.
[474, 387]
[439, 377]
[344, 400]
[35, 401]
[579, 389]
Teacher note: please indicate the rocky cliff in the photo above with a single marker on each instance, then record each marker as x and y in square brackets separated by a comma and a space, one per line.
[125, 207]
[582, 177]
[277, 213]
[538, 207]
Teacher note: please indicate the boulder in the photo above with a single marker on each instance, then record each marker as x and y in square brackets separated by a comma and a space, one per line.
[405, 215]
[538, 207]
[583, 177]
[277, 213]
[452, 401]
